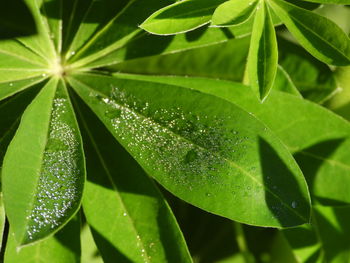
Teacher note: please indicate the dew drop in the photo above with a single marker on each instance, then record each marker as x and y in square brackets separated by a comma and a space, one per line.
[190, 156]
[294, 204]
[11, 84]
[72, 53]
[124, 214]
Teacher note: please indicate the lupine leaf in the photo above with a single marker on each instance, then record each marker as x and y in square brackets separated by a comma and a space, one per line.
[317, 34]
[135, 220]
[181, 17]
[233, 12]
[318, 138]
[263, 53]
[43, 169]
[204, 154]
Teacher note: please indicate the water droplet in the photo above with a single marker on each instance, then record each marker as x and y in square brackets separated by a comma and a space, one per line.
[72, 53]
[294, 204]
[44, 75]
[124, 214]
[190, 156]
[57, 190]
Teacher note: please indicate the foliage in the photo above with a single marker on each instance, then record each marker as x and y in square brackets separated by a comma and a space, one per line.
[111, 138]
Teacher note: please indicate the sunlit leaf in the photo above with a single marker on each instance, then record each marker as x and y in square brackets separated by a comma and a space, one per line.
[43, 169]
[205, 154]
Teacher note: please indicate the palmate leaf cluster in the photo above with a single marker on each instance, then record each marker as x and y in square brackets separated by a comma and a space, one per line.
[102, 124]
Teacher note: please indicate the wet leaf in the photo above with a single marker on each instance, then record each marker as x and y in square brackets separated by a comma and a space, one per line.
[211, 155]
[43, 169]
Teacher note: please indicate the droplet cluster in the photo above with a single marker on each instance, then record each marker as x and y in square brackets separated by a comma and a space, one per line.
[56, 191]
[181, 144]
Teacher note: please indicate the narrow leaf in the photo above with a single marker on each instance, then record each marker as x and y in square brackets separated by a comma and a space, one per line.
[263, 54]
[139, 228]
[233, 12]
[204, 150]
[317, 34]
[180, 17]
[41, 42]
[121, 26]
[10, 88]
[43, 169]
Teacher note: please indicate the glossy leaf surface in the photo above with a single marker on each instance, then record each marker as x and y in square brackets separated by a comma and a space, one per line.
[317, 34]
[233, 12]
[318, 138]
[181, 17]
[263, 53]
[135, 220]
[203, 154]
[43, 169]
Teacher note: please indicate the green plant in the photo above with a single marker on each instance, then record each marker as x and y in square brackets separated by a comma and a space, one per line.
[95, 110]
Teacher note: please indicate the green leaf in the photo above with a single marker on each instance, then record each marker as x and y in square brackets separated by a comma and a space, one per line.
[63, 247]
[52, 11]
[89, 251]
[9, 122]
[40, 43]
[326, 240]
[317, 34]
[90, 20]
[180, 17]
[120, 28]
[213, 155]
[284, 83]
[208, 61]
[136, 228]
[233, 12]
[314, 79]
[2, 220]
[146, 45]
[340, 103]
[318, 138]
[263, 54]
[10, 88]
[43, 169]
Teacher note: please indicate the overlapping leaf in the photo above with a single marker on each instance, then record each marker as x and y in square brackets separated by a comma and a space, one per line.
[318, 138]
[233, 12]
[181, 17]
[204, 153]
[135, 220]
[317, 34]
